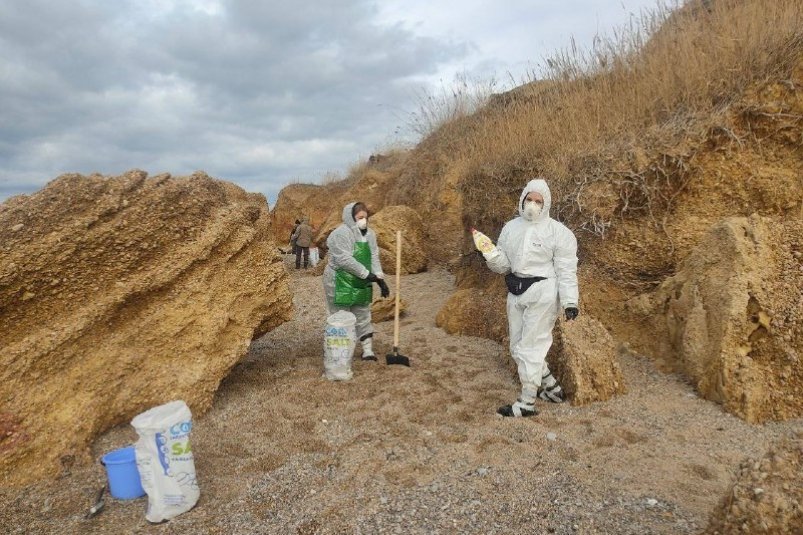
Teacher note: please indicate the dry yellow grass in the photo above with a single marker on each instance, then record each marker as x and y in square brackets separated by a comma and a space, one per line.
[669, 76]
[615, 128]
[450, 102]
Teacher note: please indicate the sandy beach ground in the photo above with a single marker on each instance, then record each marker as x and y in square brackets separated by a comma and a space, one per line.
[420, 449]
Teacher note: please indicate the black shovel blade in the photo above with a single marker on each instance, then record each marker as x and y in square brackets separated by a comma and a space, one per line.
[395, 358]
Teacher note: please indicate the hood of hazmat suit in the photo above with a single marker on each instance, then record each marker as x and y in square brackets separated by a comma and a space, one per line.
[348, 217]
[537, 185]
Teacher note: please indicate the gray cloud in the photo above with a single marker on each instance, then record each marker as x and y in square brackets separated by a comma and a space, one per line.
[254, 92]
[259, 93]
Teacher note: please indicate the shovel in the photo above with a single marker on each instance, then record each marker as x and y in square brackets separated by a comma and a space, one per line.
[395, 357]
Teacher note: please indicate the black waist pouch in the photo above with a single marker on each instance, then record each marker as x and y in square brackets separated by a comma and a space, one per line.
[519, 285]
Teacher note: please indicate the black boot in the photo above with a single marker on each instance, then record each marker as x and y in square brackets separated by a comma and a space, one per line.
[518, 410]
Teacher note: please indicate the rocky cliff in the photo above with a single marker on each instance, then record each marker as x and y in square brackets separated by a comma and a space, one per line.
[121, 293]
[731, 318]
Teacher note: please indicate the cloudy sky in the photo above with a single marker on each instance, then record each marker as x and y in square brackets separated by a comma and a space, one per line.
[256, 92]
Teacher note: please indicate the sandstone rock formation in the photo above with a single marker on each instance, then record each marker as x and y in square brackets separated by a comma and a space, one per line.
[583, 359]
[731, 318]
[385, 223]
[384, 309]
[767, 496]
[118, 294]
[476, 312]
[303, 200]
[367, 182]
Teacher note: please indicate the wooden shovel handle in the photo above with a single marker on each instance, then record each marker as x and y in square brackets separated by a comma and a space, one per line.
[398, 288]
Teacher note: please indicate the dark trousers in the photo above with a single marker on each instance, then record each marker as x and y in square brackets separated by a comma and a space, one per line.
[299, 251]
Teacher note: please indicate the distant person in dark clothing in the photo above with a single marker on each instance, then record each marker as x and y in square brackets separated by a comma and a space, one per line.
[302, 236]
[292, 236]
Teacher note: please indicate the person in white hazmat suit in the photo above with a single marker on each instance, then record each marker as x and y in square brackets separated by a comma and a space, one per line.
[538, 257]
[351, 271]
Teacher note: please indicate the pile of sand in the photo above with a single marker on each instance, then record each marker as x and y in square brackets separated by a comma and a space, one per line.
[767, 496]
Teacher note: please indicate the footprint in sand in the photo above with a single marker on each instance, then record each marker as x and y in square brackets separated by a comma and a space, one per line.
[617, 436]
[703, 472]
[631, 437]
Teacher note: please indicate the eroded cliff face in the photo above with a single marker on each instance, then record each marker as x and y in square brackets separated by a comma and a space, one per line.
[121, 293]
[303, 200]
[323, 204]
[731, 318]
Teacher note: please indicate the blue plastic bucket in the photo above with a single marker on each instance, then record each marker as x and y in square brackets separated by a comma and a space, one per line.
[121, 469]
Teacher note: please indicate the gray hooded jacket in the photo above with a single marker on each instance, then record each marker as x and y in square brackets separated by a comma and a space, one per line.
[341, 246]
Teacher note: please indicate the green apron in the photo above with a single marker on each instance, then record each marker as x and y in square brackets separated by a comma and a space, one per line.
[351, 290]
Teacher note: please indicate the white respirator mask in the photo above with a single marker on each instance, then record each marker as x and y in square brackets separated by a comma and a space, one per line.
[362, 224]
[532, 210]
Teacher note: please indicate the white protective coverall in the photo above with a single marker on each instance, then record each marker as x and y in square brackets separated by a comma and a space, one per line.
[539, 248]
[341, 256]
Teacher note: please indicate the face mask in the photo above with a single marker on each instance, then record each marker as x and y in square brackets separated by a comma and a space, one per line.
[362, 224]
[532, 210]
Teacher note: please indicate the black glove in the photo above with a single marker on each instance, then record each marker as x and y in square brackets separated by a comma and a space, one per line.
[383, 287]
[571, 313]
[372, 278]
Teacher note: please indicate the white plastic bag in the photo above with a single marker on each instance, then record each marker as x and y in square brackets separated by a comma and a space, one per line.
[314, 257]
[165, 461]
[339, 341]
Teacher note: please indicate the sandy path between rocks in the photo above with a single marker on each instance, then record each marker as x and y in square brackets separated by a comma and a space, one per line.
[421, 450]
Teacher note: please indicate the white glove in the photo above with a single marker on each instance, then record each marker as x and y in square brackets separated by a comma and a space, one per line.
[482, 242]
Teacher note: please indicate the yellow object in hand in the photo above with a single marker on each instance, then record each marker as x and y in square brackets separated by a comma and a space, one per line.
[482, 242]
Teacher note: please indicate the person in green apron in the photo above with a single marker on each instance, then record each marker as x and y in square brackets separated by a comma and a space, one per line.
[352, 270]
